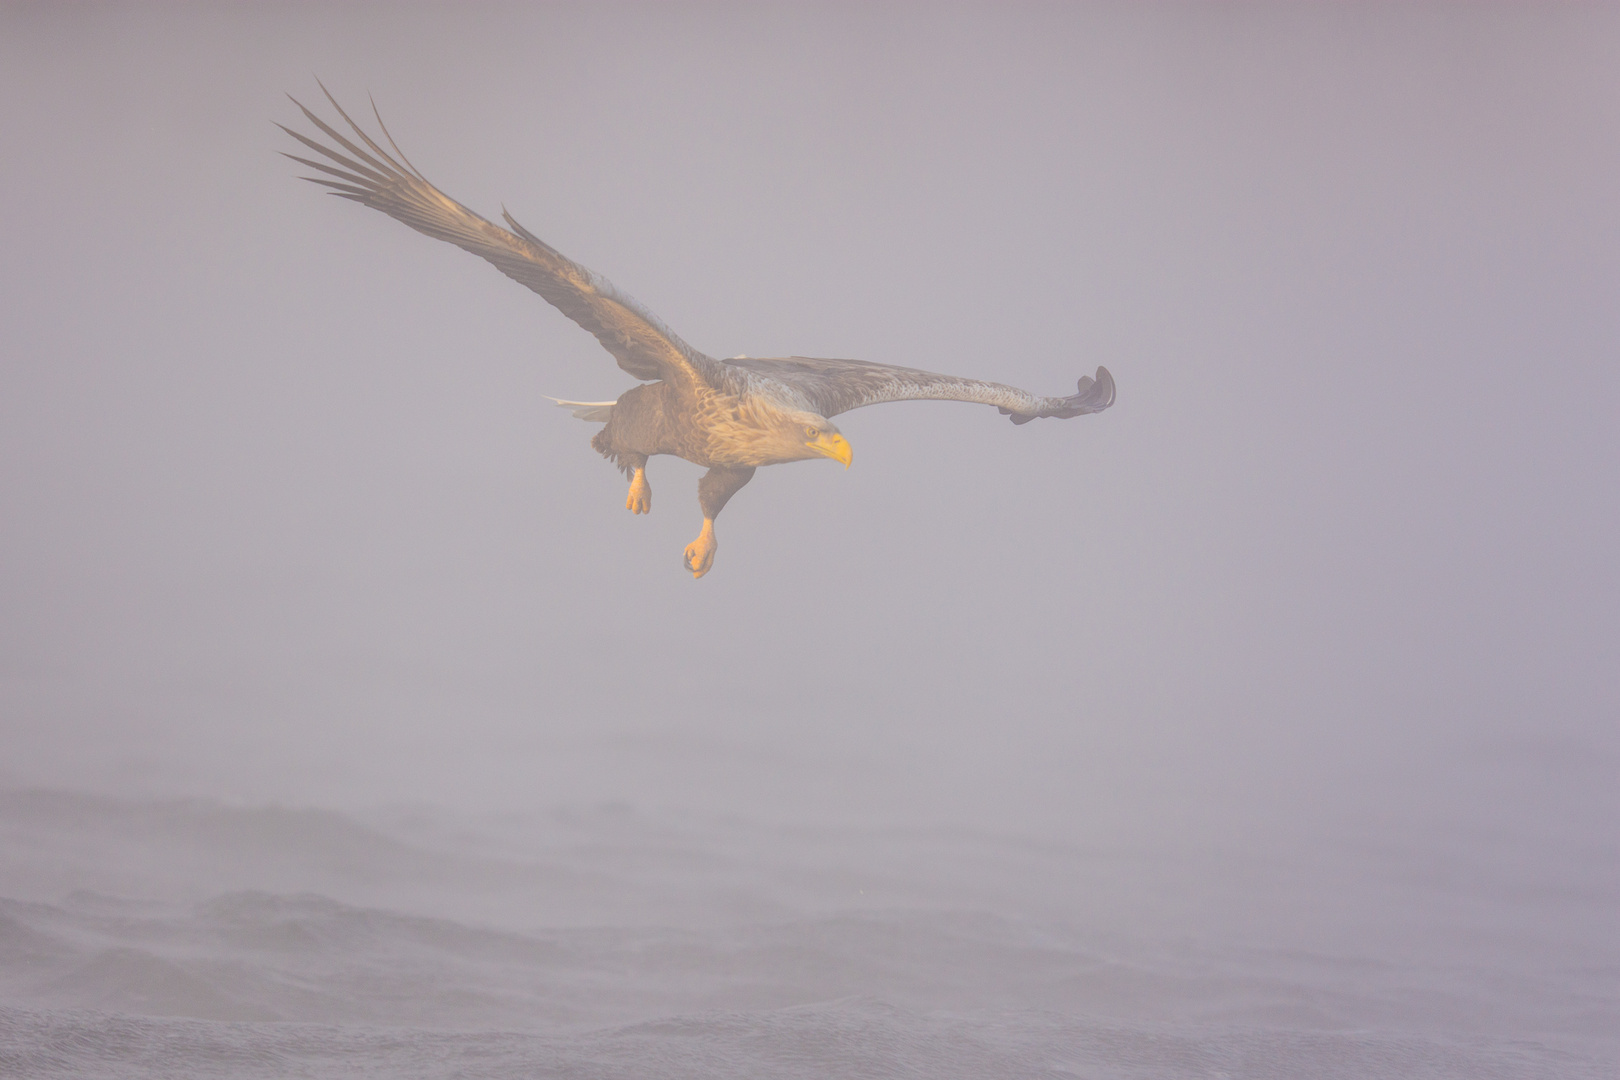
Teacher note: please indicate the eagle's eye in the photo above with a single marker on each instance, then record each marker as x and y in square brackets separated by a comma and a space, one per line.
[811, 432]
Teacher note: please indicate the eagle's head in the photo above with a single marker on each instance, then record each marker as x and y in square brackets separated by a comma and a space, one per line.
[761, 431]
[803, 435]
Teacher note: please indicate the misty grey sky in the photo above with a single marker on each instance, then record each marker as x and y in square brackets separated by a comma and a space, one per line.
[284, 513]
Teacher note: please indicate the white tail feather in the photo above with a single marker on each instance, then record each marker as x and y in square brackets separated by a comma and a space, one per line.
[597, 412]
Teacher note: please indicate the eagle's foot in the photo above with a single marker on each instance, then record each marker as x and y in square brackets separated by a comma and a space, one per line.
[700, 552]
[639, 501]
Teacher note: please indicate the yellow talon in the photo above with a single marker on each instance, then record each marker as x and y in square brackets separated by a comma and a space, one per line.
[700, 552]
[639, 501]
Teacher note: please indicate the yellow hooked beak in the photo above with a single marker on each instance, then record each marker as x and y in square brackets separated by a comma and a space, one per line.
[833, 445]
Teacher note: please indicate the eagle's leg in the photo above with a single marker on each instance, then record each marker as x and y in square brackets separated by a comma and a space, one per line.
[639, 501]
[718, 485]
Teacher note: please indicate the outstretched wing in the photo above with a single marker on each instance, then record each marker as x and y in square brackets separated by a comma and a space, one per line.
[642, 345]
[835, 386]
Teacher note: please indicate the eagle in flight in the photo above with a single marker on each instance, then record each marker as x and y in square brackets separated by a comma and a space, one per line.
[731, 416]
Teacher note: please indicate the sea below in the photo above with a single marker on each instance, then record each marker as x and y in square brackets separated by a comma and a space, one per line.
[196, 938]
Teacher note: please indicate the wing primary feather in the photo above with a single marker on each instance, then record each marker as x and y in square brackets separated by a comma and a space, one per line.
[358, 130]
[326, 152]
[383, 172]
[336, 188]
[323, 168]
[389, 136]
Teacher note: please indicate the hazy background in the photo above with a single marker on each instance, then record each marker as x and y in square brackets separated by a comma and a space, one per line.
[285, 518]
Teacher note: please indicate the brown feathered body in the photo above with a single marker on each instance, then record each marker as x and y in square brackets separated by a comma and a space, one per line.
[708, 427]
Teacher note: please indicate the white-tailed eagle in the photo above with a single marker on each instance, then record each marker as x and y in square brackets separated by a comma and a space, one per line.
[730, 416]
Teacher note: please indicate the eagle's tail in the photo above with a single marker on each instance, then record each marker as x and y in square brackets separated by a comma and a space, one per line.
[597, 412]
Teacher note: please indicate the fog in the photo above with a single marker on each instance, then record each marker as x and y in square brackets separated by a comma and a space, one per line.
[1307, 645]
